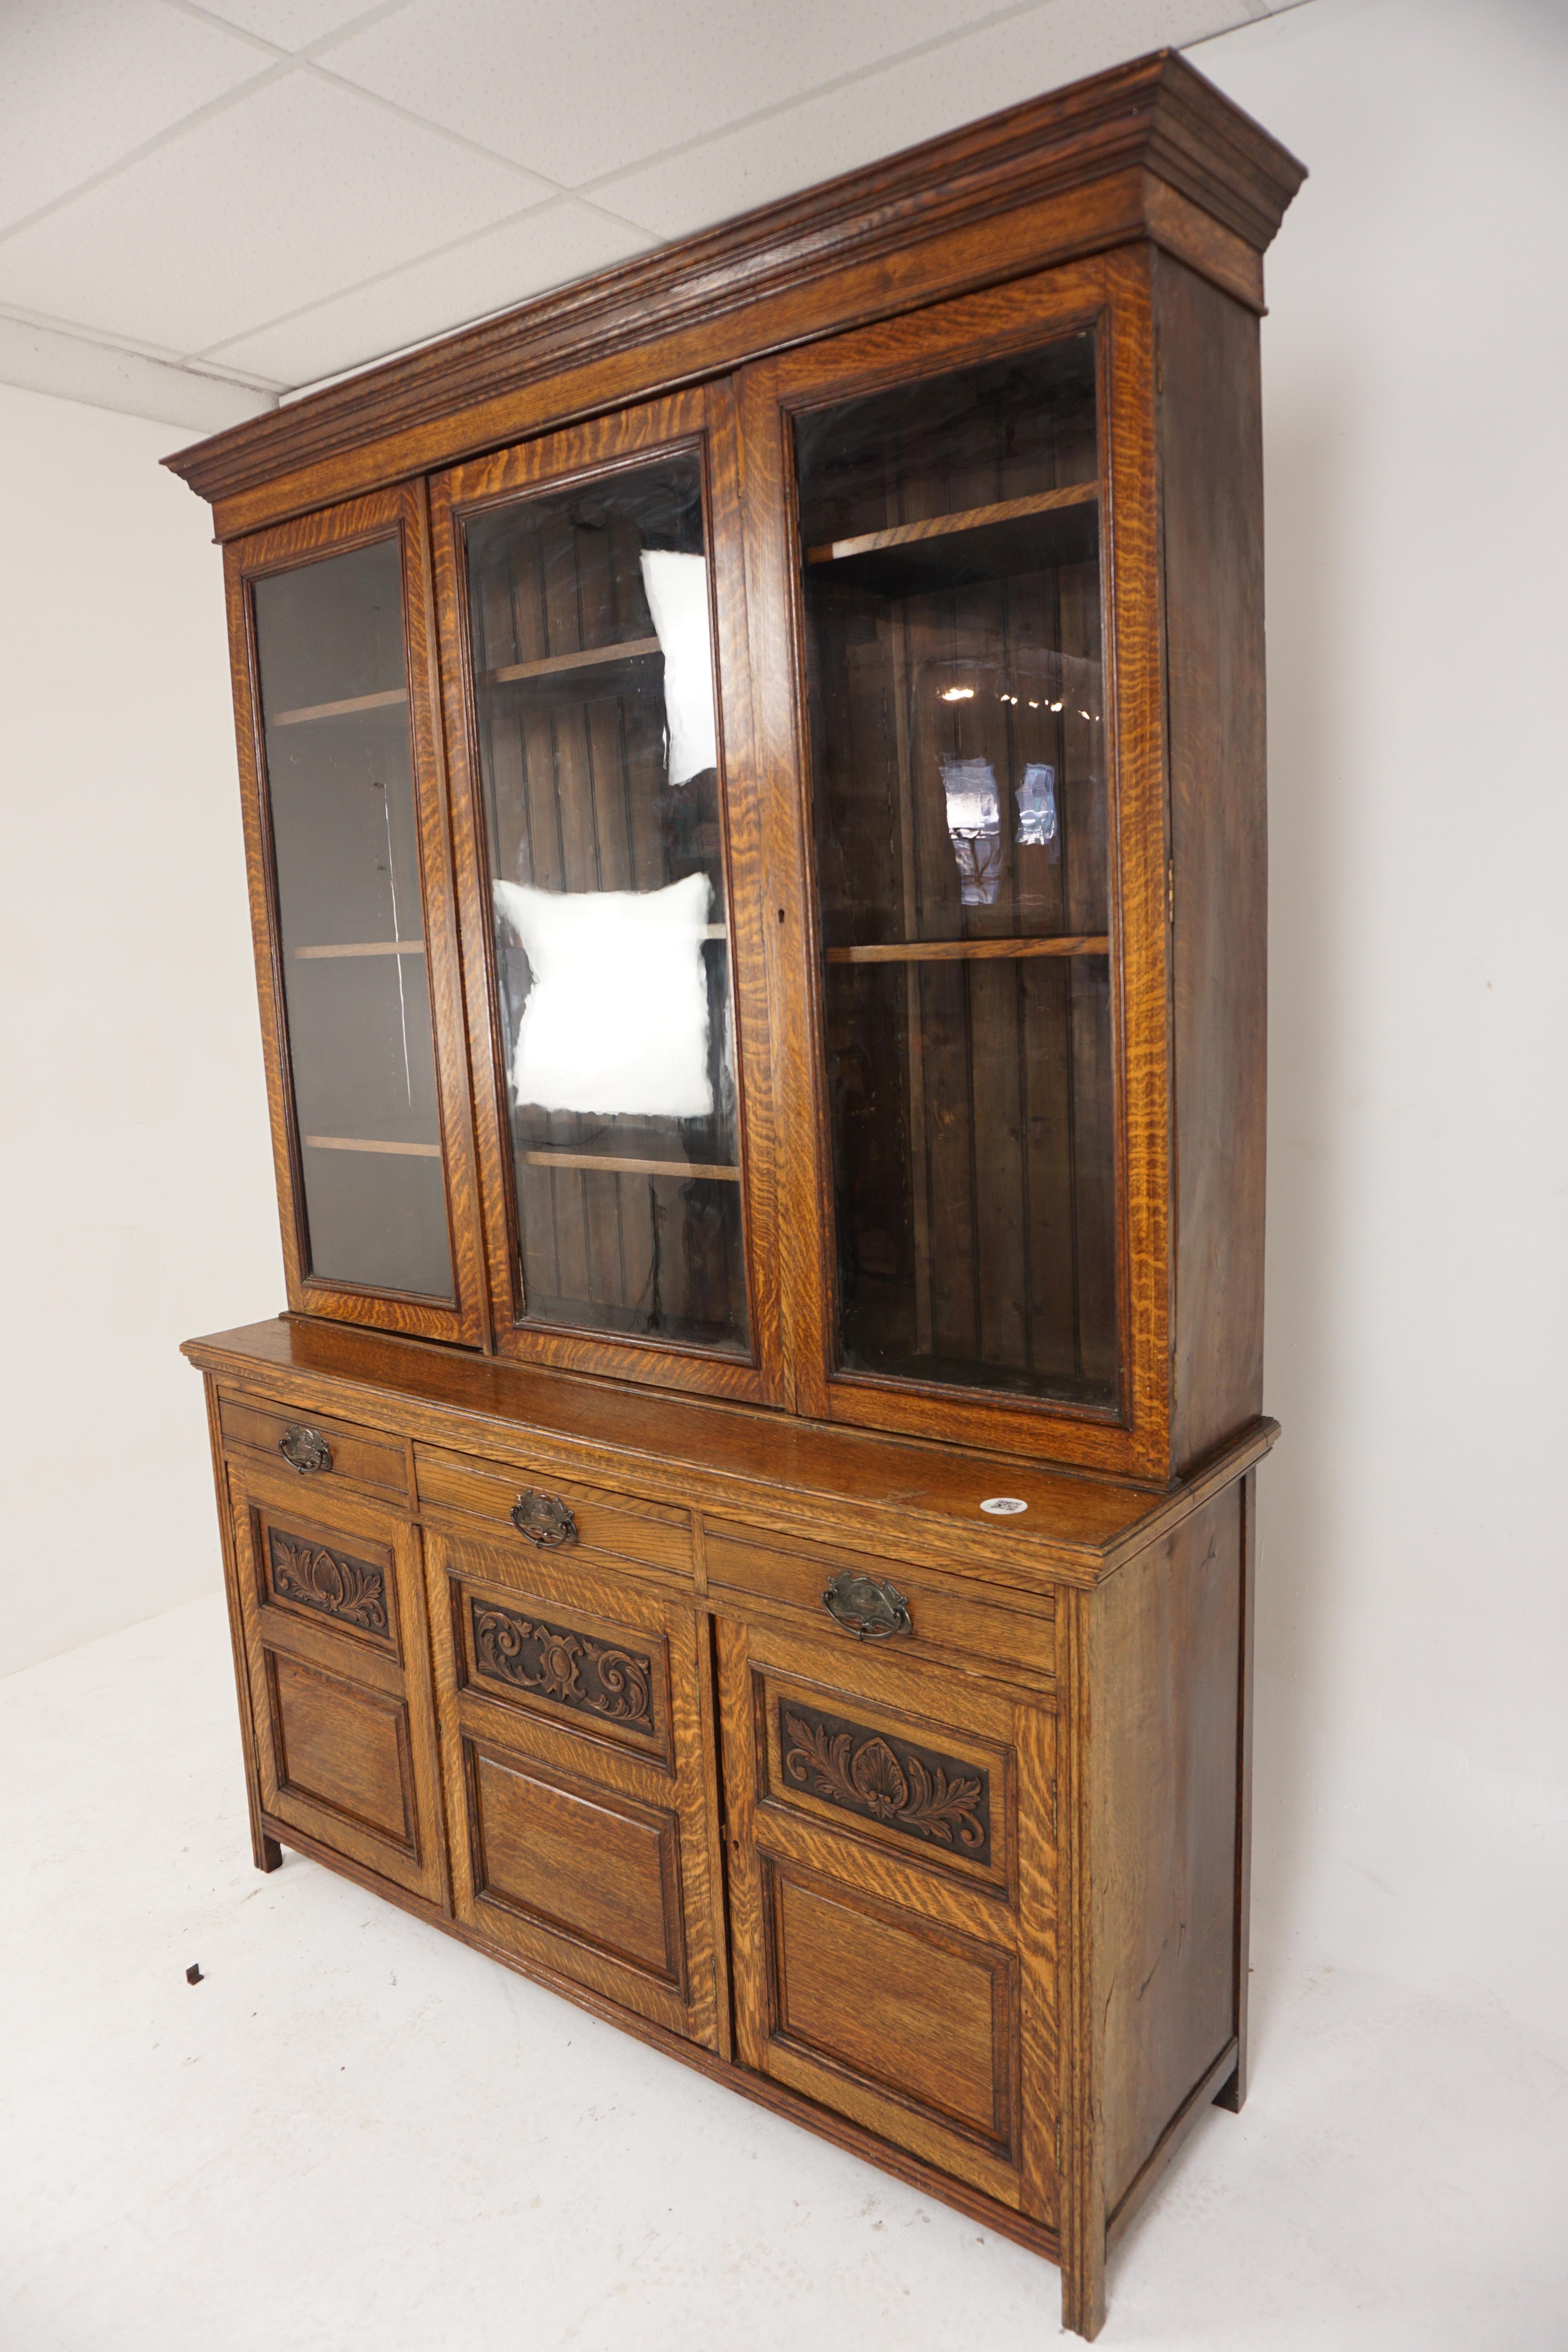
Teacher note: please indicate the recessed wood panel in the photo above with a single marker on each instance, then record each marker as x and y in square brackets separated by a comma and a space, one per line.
[302, 1572]
[608, 1679]
[922, 2014]
[344, 1748]
[850, 1746]
[929, 1797]
[603, 1869]
[336, 1576]
[1165, 1638]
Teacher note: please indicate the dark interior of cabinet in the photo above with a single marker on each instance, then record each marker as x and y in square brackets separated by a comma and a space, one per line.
[950, 533]
[627, 1221]
[345, 832]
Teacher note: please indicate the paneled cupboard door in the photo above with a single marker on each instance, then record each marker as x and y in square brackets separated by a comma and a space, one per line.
[957, 702]
[333, 1604]
[892, 1900]
[584, 1836]
[595, 664]
[355, 930]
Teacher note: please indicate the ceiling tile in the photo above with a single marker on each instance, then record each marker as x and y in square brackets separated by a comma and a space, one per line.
[86, 84]
[291, 23]
[996, 66]
[577, 91]
[74, 367]
[292, 194]
[555, 242]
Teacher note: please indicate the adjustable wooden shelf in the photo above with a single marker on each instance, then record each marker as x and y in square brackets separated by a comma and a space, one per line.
[967, 951]
[752, 772]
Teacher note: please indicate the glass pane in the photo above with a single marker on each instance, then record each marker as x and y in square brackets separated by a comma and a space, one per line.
[594, 676]
[950, 534]
[340, 772]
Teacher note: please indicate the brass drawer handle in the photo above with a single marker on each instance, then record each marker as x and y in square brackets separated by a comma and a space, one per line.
[304, 1449]
[871, 1610]
[544, 1519]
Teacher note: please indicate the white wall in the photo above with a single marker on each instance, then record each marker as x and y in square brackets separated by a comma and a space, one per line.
[136, 1199]
[1413, 1731]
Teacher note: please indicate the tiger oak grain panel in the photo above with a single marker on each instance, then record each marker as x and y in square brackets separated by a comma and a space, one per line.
[1163, 1651]
[1211, 453]
[344, 1748]
[918, 2013]
[605, 1873]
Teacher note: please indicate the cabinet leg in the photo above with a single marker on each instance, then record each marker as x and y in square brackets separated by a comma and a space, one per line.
[1083, 2290]
[269, 1853]
[1234, 2092]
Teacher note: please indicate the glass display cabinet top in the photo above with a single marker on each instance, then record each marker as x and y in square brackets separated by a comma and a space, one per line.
[950, 542]
[592, 646]
[345, 833]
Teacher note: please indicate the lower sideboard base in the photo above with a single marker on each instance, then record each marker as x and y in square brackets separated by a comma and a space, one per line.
[965, 1896]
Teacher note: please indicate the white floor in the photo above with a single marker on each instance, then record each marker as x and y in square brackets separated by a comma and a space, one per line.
[354, 2132]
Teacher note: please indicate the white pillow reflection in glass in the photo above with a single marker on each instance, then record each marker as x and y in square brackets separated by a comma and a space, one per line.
[677, 588]
[617, 1019]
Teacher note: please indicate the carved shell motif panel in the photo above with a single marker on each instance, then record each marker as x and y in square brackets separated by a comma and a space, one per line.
[333, 1583]
[937, 1800]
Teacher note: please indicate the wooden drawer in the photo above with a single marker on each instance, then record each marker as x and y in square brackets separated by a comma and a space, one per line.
[359, 1457]
[618, 1527]
[946, 1617]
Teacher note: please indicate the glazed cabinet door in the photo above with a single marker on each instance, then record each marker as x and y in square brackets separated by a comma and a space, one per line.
[584, 1827]
[951, 517]
[593, 659]
[347, 844]
[891, 1867]
[332, 1607]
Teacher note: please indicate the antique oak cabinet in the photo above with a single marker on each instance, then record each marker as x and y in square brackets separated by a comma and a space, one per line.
[753, 785]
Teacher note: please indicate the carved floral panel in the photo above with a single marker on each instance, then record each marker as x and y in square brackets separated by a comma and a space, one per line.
[353, 1591]
[936, 1799]
[555, 1662]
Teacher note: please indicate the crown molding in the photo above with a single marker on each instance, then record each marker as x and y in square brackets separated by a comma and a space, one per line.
[1184, 166]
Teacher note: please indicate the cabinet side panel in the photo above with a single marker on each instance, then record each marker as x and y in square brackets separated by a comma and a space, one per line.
[1212, 503]
[1163, 1638]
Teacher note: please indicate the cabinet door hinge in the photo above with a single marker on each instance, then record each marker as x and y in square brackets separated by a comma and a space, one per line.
[1059, 2144]
[1053, 1811]
[1171, 891]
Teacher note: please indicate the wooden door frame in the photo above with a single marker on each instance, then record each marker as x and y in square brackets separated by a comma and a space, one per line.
[701, 420]
[1110, 296]
[401, 514]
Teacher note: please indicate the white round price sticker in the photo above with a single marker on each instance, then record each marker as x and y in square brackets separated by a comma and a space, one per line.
[1001, 1507]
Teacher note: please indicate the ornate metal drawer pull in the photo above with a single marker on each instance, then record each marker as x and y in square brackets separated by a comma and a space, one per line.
[544, 1519]
[304, 1449]
[871, 1610]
